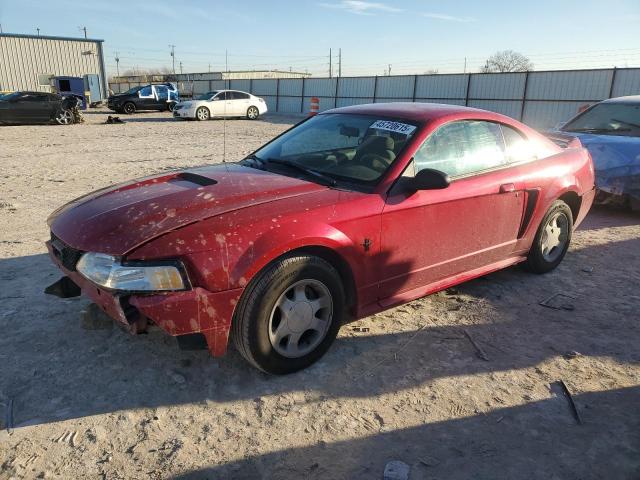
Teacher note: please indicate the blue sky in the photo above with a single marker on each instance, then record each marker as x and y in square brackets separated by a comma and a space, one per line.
[413, 36]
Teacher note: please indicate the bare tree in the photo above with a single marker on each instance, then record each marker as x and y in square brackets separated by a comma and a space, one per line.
[507, 61]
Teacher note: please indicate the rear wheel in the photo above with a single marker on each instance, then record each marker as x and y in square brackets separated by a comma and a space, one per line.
[552, 239]
[253, 113]
[171, 106]
[290, 314]
[129, 108]
[202, 113]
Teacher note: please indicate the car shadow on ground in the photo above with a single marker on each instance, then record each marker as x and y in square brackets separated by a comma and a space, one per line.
[537, 440]
[602, 216]
[54, 370]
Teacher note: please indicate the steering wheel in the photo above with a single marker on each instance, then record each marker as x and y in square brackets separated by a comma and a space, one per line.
[374, 162]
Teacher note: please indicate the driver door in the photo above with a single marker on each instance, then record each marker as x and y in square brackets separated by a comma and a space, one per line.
[431, 236]
[32, 108]
[218, 104]
[147, 98]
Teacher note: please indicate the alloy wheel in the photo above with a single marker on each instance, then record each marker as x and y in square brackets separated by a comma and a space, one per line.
[64, 117]
[555, 236]
[202, 113]
[301, 318]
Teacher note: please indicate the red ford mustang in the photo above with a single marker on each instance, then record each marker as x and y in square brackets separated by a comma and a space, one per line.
[348, 213]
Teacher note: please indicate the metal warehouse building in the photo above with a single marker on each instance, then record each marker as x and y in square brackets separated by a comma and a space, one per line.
[27, 62]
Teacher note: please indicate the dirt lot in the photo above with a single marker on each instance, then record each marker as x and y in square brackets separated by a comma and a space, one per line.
[103, 404]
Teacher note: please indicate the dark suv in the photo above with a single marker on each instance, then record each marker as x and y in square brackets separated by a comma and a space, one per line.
[163, 96]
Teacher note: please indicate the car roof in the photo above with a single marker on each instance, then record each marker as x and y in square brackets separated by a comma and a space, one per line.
[632, 99]
[418, 112]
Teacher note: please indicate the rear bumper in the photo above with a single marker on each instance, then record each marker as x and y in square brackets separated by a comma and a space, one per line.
[177, 313]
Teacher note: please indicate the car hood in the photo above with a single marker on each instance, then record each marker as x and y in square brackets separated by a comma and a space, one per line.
[118, 219]
[616, 159]
[192, 103]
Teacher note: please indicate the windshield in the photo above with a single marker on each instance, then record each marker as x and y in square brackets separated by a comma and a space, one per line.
[608, 119]
[207, 96]
[132, 90]
[356, 149]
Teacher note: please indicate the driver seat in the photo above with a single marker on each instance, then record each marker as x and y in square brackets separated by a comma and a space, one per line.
[378, 149]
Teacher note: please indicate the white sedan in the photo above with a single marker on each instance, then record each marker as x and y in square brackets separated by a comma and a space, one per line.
[221, 103]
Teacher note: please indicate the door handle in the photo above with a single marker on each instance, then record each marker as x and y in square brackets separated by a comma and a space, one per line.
[507, 188]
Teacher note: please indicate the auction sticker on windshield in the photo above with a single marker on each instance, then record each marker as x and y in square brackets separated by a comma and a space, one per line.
[392, 126]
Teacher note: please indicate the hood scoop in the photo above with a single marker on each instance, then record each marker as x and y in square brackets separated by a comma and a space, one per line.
[196, 178]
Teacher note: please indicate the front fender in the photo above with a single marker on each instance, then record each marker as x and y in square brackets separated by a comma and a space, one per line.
[269, 247]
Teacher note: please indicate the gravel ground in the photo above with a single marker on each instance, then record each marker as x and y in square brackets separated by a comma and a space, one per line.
[102, 404]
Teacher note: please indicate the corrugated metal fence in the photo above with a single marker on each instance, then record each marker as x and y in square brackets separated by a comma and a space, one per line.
[539, 99]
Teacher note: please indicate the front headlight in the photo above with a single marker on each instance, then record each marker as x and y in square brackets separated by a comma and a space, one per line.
[108, 272]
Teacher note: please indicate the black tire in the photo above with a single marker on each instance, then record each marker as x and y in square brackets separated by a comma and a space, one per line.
[129, 108]
[171, 106]
[250, 330]
[536, 260]
[253, 113]
[203, 113]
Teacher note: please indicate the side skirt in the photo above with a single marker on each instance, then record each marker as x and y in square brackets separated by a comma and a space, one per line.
[419, 292]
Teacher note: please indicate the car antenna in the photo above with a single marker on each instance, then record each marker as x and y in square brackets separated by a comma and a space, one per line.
[224, 128]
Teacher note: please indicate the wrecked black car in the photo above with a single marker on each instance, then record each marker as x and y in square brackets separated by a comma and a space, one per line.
[160, 97]
[20, 108]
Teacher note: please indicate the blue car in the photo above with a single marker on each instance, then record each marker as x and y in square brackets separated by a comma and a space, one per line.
[610, 130]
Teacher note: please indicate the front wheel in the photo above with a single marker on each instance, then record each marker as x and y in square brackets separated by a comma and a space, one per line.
[202, 113]
[64, 117]
[552, 239]
[253, 113]
[129, 108]
[171, 106]
[289, 314]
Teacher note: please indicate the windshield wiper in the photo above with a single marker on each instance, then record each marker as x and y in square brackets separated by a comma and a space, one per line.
[598, 130]
[303, 169]
[260, 163]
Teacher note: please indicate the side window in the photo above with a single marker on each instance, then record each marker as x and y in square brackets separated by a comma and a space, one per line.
[517, 148]
[223, 96]
[34, 97]
[162, 92]
[146, 92]
[239, 96]
[462, 148]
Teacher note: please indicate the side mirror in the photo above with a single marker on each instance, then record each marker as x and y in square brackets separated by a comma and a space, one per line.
[429, 179]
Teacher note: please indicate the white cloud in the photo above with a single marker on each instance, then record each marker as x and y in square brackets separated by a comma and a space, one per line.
[362, 8]
[448, 18]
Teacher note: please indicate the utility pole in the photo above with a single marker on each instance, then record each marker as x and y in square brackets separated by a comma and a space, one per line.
[83, 29]
[340, 62]
[209, 68]
[117, 63]
[330, 65]
[173, 57]
[180, 68]
[389, 74]
[38, 31]
[465, 65]
[226, 60]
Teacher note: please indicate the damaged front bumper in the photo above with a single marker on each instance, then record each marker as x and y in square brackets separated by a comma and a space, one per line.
[200, 317]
